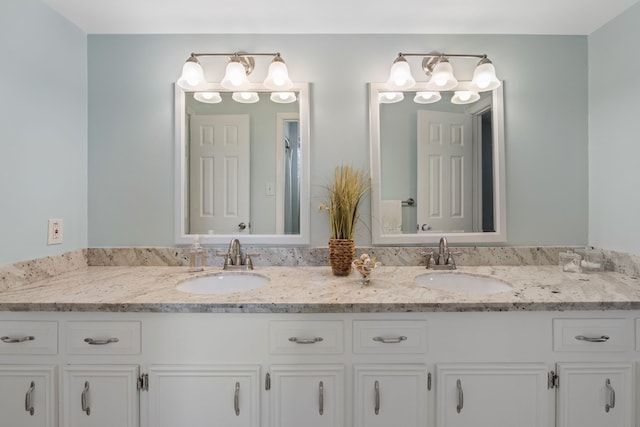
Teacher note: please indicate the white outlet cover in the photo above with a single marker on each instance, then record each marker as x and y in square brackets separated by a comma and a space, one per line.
[55, 232]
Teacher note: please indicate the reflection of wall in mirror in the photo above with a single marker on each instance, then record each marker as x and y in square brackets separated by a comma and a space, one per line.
[398, 152]
[263, 153]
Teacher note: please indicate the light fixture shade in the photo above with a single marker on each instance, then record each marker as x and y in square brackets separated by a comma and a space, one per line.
[427, 97]
[484, 76]
[400, 77]
[192, 75]
[208, 97]
[390, 97]
[278, 76]
[235, 77]
[465, 97]
[245, 97]
[442, 77]
[283, 97]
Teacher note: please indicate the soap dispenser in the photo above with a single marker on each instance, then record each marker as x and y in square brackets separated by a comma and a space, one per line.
[197, 256]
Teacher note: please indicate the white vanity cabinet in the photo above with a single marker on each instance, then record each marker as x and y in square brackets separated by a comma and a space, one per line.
[595, 395]
[307, 395]
[389, 395]
[28, 396]
[100, 395]
[497, 395]
[193, 395]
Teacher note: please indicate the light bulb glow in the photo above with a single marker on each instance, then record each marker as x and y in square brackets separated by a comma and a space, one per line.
[427, 97]
[245, 97]
[390, 97]
[208, 97]
[484, 77]
[192, 75]
[283, 97]
[278, 76]
[442, 76]
[465, 97]
[235, 77]
[400, 77]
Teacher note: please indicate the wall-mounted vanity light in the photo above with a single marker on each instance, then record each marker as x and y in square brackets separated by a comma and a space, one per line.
[441, 78]
[235, 79]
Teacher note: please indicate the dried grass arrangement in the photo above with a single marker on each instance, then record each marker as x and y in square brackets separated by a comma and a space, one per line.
[345, 194]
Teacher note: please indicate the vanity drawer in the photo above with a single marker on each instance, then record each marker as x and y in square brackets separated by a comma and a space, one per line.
[110, 338]
[388, 337]
[306, 337]
[26, 337]
[590, 335]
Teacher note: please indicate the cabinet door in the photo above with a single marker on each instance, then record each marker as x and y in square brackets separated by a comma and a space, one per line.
[389, 395]
[101, 395]
[595, 394]
[27, 396]
[497, 395]
[199, 396]
[307, 395]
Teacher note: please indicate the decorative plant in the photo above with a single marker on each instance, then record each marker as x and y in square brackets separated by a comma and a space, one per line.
[345, 193]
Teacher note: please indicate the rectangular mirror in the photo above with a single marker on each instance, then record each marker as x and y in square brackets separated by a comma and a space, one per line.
[437, 169]
[242, 169]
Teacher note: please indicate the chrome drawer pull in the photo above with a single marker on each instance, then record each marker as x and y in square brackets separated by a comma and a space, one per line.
[236, 399]
[603, 338]
[28, 403]
[460, 397]
[84, 399]
[305, 340]
[612, 396]
[390, 340]
[105, 341]
[321, 393]
[10, 340]
[377, 405]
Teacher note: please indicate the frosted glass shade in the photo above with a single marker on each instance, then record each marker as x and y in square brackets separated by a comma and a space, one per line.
[442, 77]
[427, 97]
[464, 97]
[283, 97]
[235, 77]
[390, 97]
[192, 75]
[400, 77]
[278, 76]
[245, 97]
[484, 77]
[208, 97]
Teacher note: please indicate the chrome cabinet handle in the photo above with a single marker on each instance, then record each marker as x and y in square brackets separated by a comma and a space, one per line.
[376, 409]
[321, 393]
[236, 399]
[105, 341]
[603, 338]
[305, 340]
[390, 340]
[612, 396]
[84, 399]
[460, 396]
[28, 402]
[10, 340]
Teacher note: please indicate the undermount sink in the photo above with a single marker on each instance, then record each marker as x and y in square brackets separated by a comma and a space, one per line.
[223, 283]
[462, 283]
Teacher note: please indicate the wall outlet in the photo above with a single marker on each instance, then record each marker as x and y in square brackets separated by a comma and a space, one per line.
[54, 233]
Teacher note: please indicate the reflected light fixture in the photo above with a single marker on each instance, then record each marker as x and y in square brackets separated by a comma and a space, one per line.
[208, 97]
[427, 97]
[441, 78]
[390, 97]
[246, 97]
[283, 97]
[239, 67]
[464, 97]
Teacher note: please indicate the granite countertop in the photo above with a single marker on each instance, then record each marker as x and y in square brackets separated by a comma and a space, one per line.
[315, 290]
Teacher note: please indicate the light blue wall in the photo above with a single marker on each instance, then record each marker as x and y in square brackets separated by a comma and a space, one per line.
[131, 124]
[614, 146]
[43, 130]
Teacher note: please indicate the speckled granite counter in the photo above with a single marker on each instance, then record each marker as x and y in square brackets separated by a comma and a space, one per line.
[315, 290]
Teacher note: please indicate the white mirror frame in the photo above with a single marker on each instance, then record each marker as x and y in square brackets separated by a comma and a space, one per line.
[379, 238]
[304, 238]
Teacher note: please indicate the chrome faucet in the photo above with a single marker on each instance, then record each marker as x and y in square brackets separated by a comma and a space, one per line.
[233, 258]
[443, 260]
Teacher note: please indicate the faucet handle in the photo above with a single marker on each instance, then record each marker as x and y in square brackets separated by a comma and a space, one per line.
[248, 260]
[227, 258]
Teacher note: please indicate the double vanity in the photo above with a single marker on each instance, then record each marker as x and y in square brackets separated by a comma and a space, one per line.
[484, 345]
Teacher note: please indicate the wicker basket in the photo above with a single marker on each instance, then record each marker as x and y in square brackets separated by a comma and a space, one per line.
[341, 254]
